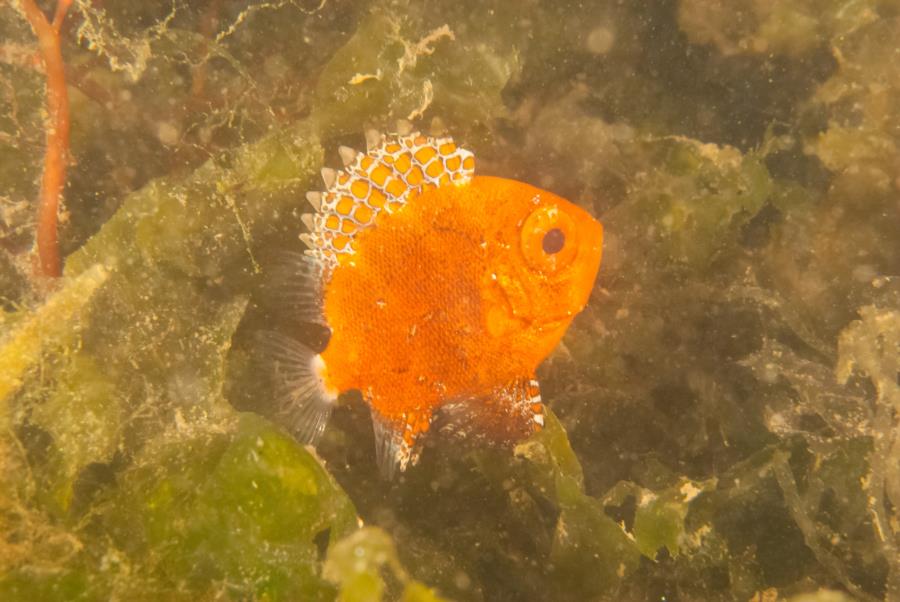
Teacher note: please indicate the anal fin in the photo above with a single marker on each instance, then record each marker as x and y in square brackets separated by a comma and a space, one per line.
[397, 442]
[303, 396]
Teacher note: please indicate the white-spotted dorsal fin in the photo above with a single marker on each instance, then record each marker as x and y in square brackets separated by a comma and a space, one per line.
[298, 375]
[295, 281]
[395, 168]
[397, 444]
[506, 415]
[315, 199]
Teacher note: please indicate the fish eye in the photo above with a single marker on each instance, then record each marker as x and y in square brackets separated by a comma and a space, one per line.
[553, 242]
[548, 239]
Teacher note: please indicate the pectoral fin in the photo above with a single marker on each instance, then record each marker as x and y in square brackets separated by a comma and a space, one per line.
[303, 397]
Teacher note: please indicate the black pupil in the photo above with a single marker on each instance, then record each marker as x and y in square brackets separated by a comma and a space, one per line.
[553, 241]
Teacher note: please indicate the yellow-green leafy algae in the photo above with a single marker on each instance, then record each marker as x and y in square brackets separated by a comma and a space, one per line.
[534, 530]
[83, 415]
[53, 324]
[236, 512]
[201, 224]
[240, 513]
[726, 402]
[405, 61]
[659, 517]
[693, 203]
[860, 142]
[588, 547]
[754, 26]
[358, 562]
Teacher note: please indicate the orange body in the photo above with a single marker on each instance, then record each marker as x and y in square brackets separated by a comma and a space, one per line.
[451, 297]
[443, 291]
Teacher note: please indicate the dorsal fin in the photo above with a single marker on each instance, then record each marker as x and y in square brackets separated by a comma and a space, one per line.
[395, 169]
[294, 280]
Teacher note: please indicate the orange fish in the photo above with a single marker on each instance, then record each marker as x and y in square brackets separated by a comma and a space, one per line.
[443, 292]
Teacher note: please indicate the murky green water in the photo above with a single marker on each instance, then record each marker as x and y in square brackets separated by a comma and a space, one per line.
[724, 412]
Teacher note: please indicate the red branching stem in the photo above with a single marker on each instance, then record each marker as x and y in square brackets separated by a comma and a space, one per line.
[61, 7]
[208, 22]
[55, 157]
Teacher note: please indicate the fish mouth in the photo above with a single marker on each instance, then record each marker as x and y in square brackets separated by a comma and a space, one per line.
[552, 324]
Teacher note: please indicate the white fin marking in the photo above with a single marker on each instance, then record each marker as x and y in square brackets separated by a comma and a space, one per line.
[347, 154]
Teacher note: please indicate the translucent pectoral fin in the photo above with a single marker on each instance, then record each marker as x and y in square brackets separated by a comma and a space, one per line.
[505, 415]
[303, 397]
[397, 442]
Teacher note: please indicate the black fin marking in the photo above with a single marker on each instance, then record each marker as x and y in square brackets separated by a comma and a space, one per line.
[302, 395]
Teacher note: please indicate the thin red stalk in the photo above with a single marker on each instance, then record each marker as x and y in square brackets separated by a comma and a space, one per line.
[54, 176]
[208, 22]
[61, 7]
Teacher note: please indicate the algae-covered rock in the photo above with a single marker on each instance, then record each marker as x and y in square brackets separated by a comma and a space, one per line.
[404, 63]
[57, 322]
[691, 207]
[758, 26]
[237, 512]
[726, 401]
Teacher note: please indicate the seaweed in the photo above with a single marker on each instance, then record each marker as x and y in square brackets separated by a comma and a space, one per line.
[356, 563]
[724, 411]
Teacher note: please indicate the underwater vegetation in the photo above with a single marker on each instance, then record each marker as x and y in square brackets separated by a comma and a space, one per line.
[723, 418]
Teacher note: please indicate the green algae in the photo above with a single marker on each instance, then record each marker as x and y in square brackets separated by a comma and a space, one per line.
[224, 512]
[727, 401]
[356, 564]
[51, 325]
[403, 61]
[588, 547]
[698, 197]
